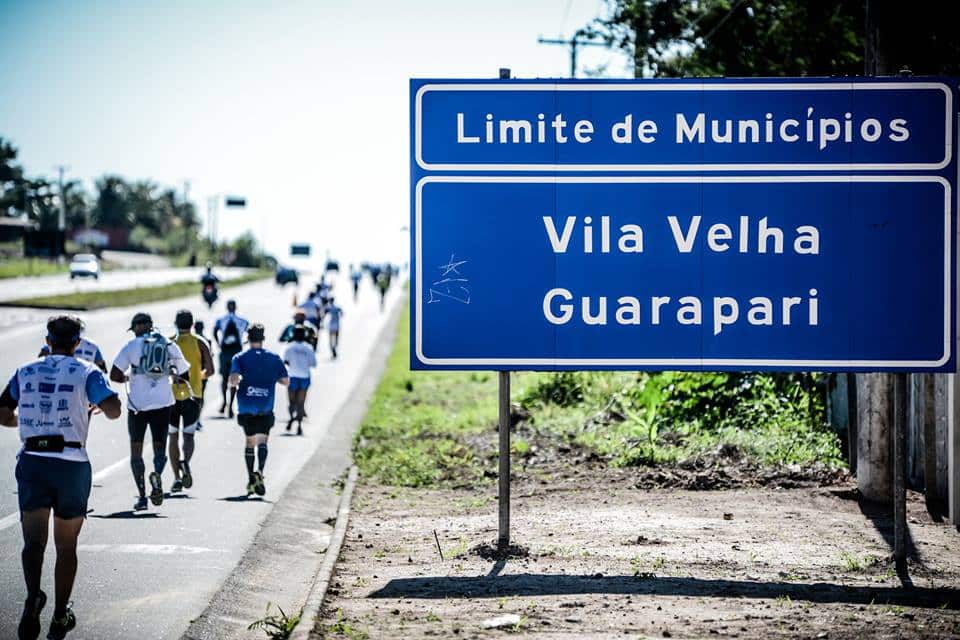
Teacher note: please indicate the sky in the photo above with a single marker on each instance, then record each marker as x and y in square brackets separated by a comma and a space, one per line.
[300, 107]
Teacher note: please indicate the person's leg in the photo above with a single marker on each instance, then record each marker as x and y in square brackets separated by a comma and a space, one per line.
[225, 360]
[35, 525]
[159, 419]
[261, 440]
[137, 428]
[189, 446]
[173, 449]
[65, 533]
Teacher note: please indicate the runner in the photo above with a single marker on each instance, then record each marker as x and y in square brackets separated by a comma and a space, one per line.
[198, 327]
[300, 320]
[334, 312]
[227, 333]
[86, 350]
[51, 396]
[189, 400]
[256, 373]
[151, 359]
[355, 275]
[299, 359]
[383, 283]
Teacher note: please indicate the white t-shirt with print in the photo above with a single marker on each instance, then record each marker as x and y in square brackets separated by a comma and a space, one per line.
[148, 392]
[300, 358]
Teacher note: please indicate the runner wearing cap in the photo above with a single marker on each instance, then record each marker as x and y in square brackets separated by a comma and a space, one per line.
[189, 399]
[255, 373]
[48, 400]
[227, 332]
[151, 359]
[300, 320]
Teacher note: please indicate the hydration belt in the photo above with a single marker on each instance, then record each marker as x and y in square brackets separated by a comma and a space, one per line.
[49, 444]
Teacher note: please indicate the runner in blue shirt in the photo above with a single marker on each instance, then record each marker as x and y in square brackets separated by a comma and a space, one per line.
[255, 374]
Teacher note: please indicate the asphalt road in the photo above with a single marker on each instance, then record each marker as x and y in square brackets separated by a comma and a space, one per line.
[14, 288]
[150, 574]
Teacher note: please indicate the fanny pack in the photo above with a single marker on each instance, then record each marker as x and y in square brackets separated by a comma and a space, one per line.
[49, 444]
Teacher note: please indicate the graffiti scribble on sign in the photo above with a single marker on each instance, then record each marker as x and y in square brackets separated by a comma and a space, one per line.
[451, 285]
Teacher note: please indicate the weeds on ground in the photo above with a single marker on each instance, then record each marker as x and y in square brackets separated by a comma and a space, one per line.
[276, 626]
[344, 628]
[434, 429]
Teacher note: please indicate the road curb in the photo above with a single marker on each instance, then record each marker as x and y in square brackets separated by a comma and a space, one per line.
[311, 609]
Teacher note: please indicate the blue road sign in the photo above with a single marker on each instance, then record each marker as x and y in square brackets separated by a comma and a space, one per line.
[768, 266]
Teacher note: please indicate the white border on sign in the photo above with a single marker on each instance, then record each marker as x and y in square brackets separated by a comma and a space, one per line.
[809, 166]
[700, 362]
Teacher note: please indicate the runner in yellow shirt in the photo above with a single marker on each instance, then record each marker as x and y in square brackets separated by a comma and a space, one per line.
[189, 399]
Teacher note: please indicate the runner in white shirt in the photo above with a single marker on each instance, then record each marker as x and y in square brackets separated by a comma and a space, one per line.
[151, 359]
[48, 400]
[334, 312]
[86, 350]
[299, 358]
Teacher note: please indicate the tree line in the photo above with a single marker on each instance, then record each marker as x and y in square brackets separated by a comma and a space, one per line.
[154, 217]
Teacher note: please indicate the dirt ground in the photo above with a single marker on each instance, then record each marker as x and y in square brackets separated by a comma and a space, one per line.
[600, 555]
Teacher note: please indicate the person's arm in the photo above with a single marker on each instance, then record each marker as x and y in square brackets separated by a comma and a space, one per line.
[8, 405]
[206, 359]
[120, 364]
[180, 363]
[283, 376]
[99, 361]
[216, 331]
[236, 371]
[99, 393]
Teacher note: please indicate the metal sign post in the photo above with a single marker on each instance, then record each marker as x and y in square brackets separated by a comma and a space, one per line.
[503, 539]
[900, 413]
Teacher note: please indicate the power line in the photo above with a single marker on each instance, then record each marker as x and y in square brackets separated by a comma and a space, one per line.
[579, 39]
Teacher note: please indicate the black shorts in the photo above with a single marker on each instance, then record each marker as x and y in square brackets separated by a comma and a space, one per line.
[252, 425]
[63, 485]
[226, 359]
[187, 411]
[157, 419]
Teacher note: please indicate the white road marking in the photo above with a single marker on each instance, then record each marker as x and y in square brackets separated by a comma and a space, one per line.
[157, 549]
[14, 518]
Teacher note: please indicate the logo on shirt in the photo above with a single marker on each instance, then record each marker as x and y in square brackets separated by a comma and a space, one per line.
[46, 406]
[65, 422]
[47, 387]
[29, 371]
[258, 392]
[28, 387]
[25, 405]
[26, 422]
[63, 405]
[65, 387]
[72, 369]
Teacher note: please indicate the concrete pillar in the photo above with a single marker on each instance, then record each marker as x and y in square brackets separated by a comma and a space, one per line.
[874, 444]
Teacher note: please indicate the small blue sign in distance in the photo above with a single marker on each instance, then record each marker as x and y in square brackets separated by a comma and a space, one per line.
[829, 254]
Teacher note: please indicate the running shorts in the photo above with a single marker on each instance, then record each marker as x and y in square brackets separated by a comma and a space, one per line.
[299, 384]
[62, 485]
[187, 411]
[255, 424]
[157, 419]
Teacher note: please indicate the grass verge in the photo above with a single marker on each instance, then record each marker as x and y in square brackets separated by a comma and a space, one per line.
[438, 428]
[90, 300]
[18, 267]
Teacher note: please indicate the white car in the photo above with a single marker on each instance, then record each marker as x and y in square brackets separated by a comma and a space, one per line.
[85, 265]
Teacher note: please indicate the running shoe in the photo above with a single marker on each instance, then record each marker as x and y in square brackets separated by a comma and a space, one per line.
[29, 628]
[140, 504]
[289, 424]
[258, 486]
[59, 627]
[199, 426]
[230, 413]
[156, 489]
[176, 487]
[185, 476]
[251, 487]
[299, 428]
[223, 407]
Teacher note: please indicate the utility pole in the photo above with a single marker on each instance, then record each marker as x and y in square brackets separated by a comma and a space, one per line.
[62, 217]
[580, 39]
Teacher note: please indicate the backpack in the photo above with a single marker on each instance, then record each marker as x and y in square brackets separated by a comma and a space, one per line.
[231, 335]
[154, 359]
